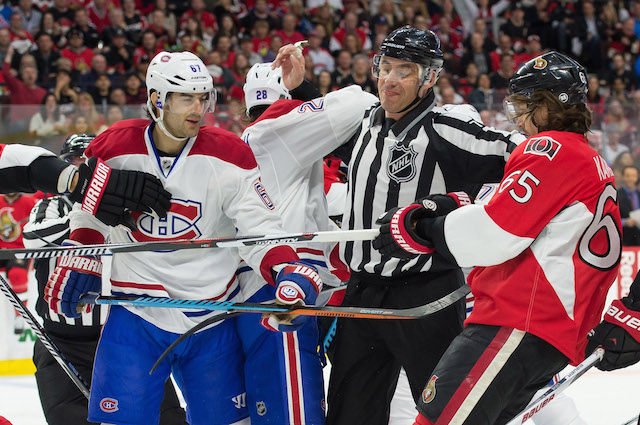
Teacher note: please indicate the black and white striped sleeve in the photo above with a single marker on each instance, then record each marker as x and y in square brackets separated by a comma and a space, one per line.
[478, 152]
[48, 223]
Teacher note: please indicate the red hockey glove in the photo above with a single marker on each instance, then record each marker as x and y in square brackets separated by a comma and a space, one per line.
[398, 236]
[618, 334]
[73, 277]
[110, 194]
[298, 283]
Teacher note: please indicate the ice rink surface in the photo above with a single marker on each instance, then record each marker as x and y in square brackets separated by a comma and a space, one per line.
[603, 398]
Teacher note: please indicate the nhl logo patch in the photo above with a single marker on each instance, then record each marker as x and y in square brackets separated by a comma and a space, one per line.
[261, 408]
[401, 166]
[429, 392]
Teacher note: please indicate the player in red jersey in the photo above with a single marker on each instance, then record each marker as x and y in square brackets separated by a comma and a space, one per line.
[546, 250]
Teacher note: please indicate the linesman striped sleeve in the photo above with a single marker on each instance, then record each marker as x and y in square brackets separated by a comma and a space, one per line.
[429, 150]
[49, 226]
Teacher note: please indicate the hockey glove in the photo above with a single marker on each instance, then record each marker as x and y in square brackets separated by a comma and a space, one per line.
[398, 236]
[73, 276]
[297, 284]
[110, 194]
[618, 334]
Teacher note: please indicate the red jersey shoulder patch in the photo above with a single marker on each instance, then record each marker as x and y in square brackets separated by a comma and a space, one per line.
[543, 146]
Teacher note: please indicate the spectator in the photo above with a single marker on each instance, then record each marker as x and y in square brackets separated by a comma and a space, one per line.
[246, 48]
[80, 125]
[629, 200]
[136, 94]
[116, 24]
[170, 22]
[617, 90]
[288, 32]
[500, 79]
[148, 48]
[595, 100]
[240, 68]
[5, 40]
[616, 116]
[351, 43]
[31, 16]
[477, 54]
[206, 19]
[119, 55]
[450, 43]
[324, 17]
[98, 67]
[48, 121]
[222, 77]
[322, 59]
[324, 82]
[516, 27]
[625, 159]
[100, 91]
[624, 40]
[343, 68]
[64, 92]
[46, 58]
[114, 115]
[391, 12]
[90, 35]
[53, 28]
[504, 46]
[21, 39]
[87, 109]
[227, 55]
[483, 96]
[380, 26]
[98, 14]
[274, 47]
[79, 55]
[157, 25]
[25, 93]
[260, 38]
[609, 17]
[591, 32]
[619, 69]
[349, 25]
[467, 83]
[62, 13]
[228, 27]
[308, 69]
[419, 7]
[194, 30]
[134, 22]
[360, 74]
[259, 12]
[303, 20]
[118, 97]
[613, 146]
[5, 13]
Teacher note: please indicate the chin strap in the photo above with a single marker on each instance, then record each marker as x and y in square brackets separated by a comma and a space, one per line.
[159, 121]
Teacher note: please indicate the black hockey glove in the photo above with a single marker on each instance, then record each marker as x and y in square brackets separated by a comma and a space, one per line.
[399, 236]
[111, 194]
[618, 334]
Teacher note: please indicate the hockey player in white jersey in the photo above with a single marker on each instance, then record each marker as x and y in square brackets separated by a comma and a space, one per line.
[217, 192]
[289, 138]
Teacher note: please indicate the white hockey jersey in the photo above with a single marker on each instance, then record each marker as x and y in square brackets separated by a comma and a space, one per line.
[289, 142]
[216, 192]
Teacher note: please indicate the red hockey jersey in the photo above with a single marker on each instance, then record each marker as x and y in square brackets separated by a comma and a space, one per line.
[13, 217]
[548, 243]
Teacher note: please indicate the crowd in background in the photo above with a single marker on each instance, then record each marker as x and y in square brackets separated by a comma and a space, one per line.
[83, 62]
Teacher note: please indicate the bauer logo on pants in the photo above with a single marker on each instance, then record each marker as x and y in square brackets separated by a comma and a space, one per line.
[429, 392]
[109, 405]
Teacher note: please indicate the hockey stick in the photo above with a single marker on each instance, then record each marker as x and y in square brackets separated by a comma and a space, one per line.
[535, 406]
[633, 421]
[441, 303]
[352, 312]
[236, 242]
[44, 338]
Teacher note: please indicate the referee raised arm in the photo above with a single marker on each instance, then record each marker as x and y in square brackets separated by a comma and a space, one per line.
[406, 148]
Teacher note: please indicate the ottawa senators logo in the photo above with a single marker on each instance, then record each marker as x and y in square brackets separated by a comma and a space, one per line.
[10, 228]
[540, 64]
[429, 392]
[543, 146]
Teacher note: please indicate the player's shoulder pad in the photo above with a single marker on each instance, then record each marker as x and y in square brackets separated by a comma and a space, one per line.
[122, 138]
[278, 108]
[224, 145]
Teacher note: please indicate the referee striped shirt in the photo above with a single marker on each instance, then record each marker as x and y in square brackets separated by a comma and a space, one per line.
[429, 150]
[49, 226]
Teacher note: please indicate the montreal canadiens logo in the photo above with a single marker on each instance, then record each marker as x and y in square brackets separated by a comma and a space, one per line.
[543, 146]
[429, 392]
[181, 222]
[262, 192]
[401, 166]
[109, 405]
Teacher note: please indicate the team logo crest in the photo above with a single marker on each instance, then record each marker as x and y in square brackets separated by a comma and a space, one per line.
[264, 196]
[401, 166]
[543, 146]
[10, 228]
[261, 408]
[540, 64]
[109, 405]
[429, 392]
[181, 222]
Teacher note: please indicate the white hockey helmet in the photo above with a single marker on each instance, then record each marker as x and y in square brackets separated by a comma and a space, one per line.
[177, 72]
[264, 86]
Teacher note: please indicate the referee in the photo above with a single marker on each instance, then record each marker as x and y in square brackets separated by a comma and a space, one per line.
[62, 402]
[406, 149]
